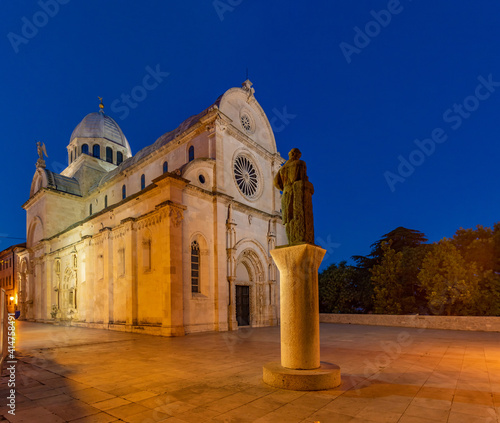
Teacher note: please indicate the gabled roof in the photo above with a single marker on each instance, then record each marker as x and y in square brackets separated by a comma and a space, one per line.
[62, 183]
[163, 140]
[12, 248]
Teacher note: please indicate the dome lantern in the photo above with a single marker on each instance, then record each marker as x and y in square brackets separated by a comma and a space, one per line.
[98, 135]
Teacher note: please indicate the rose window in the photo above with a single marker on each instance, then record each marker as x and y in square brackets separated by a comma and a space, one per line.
[245, 175]
[246, 123]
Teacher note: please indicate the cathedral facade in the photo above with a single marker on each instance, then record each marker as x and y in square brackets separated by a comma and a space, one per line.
[172, 240]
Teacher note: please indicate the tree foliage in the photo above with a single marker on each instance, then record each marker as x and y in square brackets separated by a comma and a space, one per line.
[343, 289]
[451, 284]
[481, 247]
[396, 287]
[400, 238]
[402, 275]
[387, 287]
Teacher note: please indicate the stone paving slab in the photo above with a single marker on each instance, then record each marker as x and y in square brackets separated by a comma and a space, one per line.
[389, 374]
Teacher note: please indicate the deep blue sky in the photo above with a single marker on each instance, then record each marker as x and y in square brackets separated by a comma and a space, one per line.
[352, 120]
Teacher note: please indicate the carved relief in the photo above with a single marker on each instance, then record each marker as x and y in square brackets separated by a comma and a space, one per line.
[176, 215]
[211, 128]
[149, 221]
[220, 124]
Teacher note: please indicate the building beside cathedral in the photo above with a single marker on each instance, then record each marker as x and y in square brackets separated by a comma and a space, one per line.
[8, 272]
[172, 240]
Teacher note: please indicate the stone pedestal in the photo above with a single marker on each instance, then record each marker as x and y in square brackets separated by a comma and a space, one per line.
[300, 367]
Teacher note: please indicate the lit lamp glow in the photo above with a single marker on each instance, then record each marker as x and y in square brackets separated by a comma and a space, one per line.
[12, 298]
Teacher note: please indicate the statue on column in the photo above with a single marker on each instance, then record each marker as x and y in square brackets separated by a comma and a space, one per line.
[296, 201]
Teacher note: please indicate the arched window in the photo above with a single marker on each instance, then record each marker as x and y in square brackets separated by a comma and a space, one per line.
[191, 153]
[195, 267]
[71, 159]
[165, 167]
[109, 154]
[85, 149]
[124, 192]
[96, 151]
[90, 210]
[105, 201]
[143, 181]
[119, 157]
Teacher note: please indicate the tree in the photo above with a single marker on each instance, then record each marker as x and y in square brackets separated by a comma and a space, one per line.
[481, 246]
[396, 285]
[393, 275]
[341, 290]
[477, 245]
[401, 238]
[451, 284]
[386, 284]
[414, 299]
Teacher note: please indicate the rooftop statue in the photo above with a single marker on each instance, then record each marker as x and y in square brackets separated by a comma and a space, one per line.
[296, 202]
[41, 150]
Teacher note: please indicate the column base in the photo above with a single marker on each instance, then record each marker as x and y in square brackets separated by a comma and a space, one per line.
[327, 376]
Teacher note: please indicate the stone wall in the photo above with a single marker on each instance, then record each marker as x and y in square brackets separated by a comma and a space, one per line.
[477, 323]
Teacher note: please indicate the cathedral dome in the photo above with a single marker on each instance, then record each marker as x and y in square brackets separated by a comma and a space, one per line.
[99, 125]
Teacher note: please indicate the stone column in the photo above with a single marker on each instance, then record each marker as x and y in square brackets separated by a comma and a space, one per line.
[107, 291]
[89, 276]
[300, 367]
[130, 272]
[173, 286]
[231, 268]
[298, 268]
[171, 241]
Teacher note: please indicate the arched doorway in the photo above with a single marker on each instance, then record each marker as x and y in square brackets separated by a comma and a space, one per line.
[249, 292]
[242, 292]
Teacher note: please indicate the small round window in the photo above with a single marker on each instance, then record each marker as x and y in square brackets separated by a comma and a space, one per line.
[245, 175]
[201, 178]
[246, 123]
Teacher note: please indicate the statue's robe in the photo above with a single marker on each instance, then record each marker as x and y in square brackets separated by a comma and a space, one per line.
[296, 202]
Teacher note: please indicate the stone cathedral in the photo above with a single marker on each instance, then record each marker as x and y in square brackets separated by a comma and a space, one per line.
[172, 240]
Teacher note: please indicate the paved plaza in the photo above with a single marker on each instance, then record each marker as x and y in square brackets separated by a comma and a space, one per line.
[388, 375]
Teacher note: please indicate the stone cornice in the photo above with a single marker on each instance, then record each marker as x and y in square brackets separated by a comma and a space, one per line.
[49, 191]
[247, 141]
[69, 246]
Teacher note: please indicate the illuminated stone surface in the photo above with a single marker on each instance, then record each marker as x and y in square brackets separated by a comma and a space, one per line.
[298, 266]
[326, 376]
[299, 368]
[389, 375]
[110, 248]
